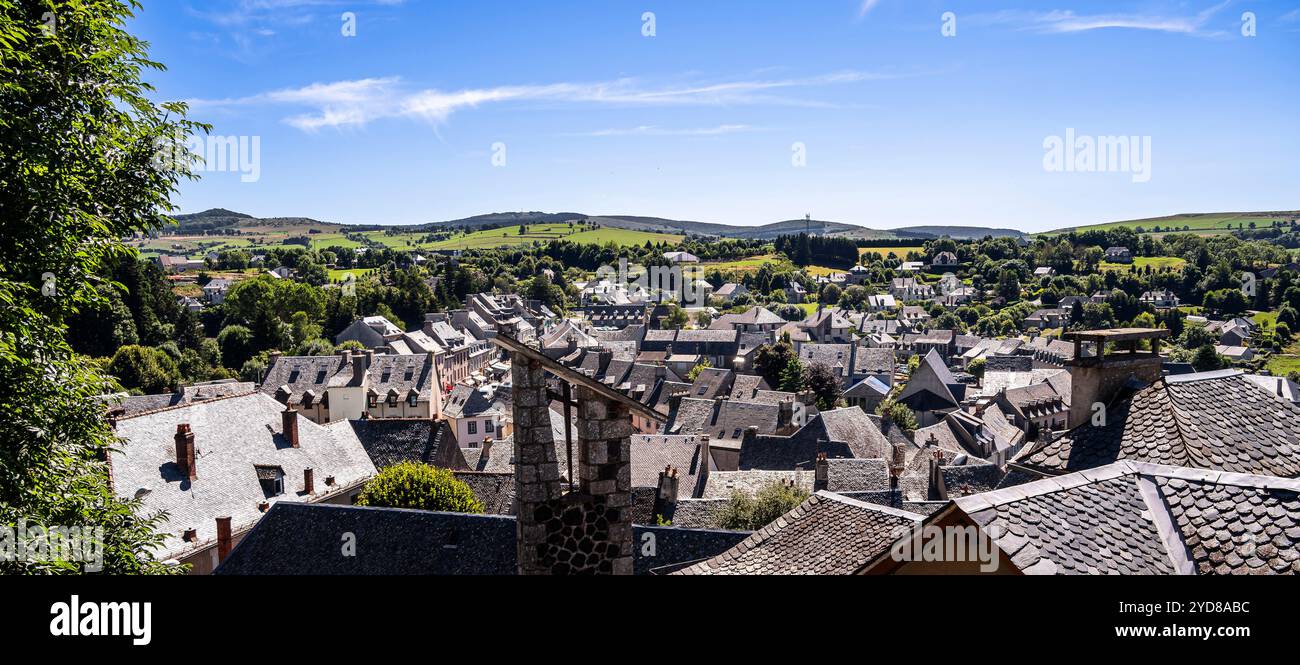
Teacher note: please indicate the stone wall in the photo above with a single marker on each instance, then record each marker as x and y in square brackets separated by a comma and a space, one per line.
[588, 531]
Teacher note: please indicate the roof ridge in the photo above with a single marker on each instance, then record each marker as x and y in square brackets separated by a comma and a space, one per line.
[876, 507]
[187, 404]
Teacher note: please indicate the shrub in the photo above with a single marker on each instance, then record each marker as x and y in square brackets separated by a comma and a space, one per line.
[751, 513]
[419, 486]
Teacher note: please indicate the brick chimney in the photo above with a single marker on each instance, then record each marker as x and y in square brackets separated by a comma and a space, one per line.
[309, 480]
[224, 540]
[289, 426]
[185, 452]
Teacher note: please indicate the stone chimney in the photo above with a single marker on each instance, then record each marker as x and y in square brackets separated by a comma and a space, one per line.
[706, 459]
[486, 449]
[185, 460]
[224, 539]
[289, 426]
[360, 365]
[1097, 377]
[666, 496]
[309, 481]
[821, 473]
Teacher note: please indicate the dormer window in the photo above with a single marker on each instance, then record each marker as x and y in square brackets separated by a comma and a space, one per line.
[410, 373]
[271, 478]
[388, 373]
[414, 399]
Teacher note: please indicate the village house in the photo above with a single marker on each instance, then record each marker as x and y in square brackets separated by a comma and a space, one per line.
[351, 385]
[909, 289]
[730, 291]
[1119, 255]
[944, 261]
[215, 290]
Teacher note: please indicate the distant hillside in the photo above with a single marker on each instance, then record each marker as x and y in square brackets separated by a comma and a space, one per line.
[219, 218]
[962, 232]
[1202, 222]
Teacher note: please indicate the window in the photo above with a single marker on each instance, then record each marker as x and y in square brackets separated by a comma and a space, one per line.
[373, 401]
[392, 399]
[487, 426]
[410, 372]
[320, 376]
[414, 400]
[473, 427]
[271, 478]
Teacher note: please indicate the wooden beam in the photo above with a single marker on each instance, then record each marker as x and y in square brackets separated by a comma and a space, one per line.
[573, 376]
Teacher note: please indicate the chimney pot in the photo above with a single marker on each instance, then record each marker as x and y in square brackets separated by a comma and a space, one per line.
[309, 480]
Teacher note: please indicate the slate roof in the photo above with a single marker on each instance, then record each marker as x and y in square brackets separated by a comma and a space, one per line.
[470, 401]
[496, 491]
[1142, 518]
[392, 440]
[857, 475]
[745, 385]
[232, 437]
[1211, 420]
[722, 484]
[651, 453]
[303, 373]
[826, 535]
[299, 539]
[840, 433]
[132, 405]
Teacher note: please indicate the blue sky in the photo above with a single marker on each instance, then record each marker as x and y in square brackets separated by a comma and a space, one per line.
[900, 125]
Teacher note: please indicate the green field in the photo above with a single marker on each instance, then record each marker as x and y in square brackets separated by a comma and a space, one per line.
[1284, 364]
[510, 237]
[338, 274]
[751, 264]
[900, 252]
[1206, 223]
[1157, 263]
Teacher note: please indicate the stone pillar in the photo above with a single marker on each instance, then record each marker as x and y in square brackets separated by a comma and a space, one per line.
[605, 478]
[537, 472]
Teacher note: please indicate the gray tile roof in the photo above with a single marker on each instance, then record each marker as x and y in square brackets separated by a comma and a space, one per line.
[826, 535]
[1213, 420]
[295, 539]
[723, 484]
[857, 475]
[471, 401]
[1143, 518]
[392, 440]
[496, 491]
[232, 436]
[651, 453]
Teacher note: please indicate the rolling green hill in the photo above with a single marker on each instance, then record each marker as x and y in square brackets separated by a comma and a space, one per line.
[1207, 223]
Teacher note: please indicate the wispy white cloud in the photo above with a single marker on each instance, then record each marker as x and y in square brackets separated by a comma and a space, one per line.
[653, 130]
[1068, 21]
[356, 103]
[866, 7]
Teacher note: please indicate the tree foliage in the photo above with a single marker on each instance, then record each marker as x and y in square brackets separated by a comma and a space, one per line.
[79, 141]
[419, 486]
[744, 512]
